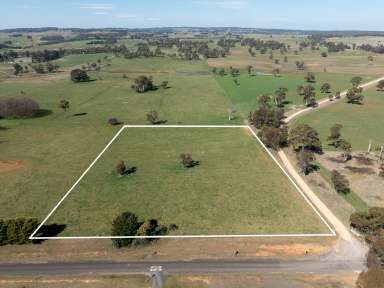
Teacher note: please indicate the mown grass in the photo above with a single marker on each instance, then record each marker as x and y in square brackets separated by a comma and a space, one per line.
[227, 193]
[361, 123]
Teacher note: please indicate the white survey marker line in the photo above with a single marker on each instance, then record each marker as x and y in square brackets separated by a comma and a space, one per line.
[332, 234]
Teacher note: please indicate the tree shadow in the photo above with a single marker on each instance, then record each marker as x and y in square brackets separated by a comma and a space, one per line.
[160, 122]
[80, 114]
[130, 171]
[42, 113]
[51, 230]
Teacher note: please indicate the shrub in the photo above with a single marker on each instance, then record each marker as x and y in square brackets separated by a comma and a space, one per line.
[143, 84]
[152, 117]
[113, 121]
[187, 161]
[368, 222]
[125, 224]
[17, 231]
[16, 108]
[340, 182]
[79, 75]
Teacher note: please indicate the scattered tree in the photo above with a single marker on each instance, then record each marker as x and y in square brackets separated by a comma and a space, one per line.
[325, 88]
[380, 85]
[274, 138]
[164, 84]
[335, 134]
[187, 161]
[121, 169]
[114, 121]
[18, 107]
[305, 159]
[152, 117]
[143, 84]
[309, 96]
[64, 104]
[355, 96]
[346, 149]
[125, 224]
[304, 137]
[310, 77]
[79, 75]
[280, 96]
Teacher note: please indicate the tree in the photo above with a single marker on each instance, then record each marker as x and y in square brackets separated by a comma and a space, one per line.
[121, 168]
[78, 75]
[18, 69]
[276, 72]
[335, 135]
[300, 90]
[164, 84]
[355, 96]
[381, 170]
[18, 107]
[249, 69]
[231, 113]
[356, 81]
[305, 160]
[125, 224]
[380, 85]
[309, 96]
[64, 104]
[368, 222]
[304, 137]
[152, 117]
[338, 95]
[52, 67]
[187, 161]
[39, 68]
[143, 84]
[265, 116]
[114, 121]
[280, 95]
[264, 100]
[346, 148]
[310, 77]
[274, 137]
[325, 88]
[324, 54]
[340, 182]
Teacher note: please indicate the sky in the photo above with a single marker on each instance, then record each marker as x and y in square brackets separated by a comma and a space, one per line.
[285, 14]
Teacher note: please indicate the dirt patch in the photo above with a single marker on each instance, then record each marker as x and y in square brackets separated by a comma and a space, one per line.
[289, 250]
[362, 160]
[336, 160]
[10, 165]
[362, 170]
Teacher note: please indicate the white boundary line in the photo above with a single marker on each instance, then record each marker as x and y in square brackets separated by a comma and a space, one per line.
[331, 234]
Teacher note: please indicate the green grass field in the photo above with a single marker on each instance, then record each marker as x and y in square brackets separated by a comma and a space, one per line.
[245, 95]
[56, 148]
[227, 193]
[361, 123]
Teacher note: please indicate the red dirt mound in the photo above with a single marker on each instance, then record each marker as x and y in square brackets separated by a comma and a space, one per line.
[10, 165]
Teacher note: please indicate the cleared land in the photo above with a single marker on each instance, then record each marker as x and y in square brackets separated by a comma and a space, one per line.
[361, 123]
[226, 194]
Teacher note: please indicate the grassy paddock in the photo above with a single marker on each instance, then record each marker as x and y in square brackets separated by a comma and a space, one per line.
[227, 194]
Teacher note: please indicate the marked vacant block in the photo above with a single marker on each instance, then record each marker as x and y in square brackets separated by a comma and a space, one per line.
[238, 190]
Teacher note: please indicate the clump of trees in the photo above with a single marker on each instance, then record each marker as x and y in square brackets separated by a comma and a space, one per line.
[143, 84]
[187, 161]
[306, 142]
[17, 231]
[79, 75]
[18, 107]
[340, 182]
[269, 120]
[128, 224]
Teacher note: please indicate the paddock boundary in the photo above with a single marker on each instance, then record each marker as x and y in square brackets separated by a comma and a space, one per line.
[309, 203]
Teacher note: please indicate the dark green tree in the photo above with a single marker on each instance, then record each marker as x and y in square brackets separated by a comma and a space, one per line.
[125, 224]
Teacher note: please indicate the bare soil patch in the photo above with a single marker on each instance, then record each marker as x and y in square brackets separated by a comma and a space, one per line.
[10, 165]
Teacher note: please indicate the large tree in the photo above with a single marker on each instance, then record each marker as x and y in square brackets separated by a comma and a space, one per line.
[280, 95]
[304, 137]
[355, 96]
[125, 224]
[79, 75]
[356, 81]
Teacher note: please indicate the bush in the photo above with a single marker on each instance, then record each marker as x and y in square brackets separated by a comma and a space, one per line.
[16, 108]
[79, 75]
[125, 224]
[340, 182]
[17, 231]
[114, 121]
